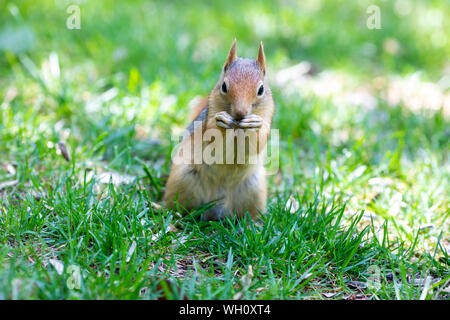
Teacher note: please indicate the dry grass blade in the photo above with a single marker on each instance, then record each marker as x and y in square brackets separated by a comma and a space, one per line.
[7, 184]
[64, 152]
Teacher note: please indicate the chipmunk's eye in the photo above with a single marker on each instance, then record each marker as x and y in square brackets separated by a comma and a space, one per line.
[224, 87]
[260, 91]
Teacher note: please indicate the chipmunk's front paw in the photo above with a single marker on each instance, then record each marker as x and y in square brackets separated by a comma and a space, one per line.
[224, 120]
[252, 121]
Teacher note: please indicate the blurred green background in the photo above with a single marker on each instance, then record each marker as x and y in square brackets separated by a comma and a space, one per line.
[363, 113]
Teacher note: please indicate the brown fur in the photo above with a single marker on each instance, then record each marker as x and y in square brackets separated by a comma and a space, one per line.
[234, 187]
[196, 109]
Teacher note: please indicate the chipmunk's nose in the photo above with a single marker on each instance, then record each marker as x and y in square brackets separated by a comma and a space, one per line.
[240, 110]
[239, 115]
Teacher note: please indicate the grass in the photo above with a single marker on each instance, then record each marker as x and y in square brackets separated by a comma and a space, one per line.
[358, 208]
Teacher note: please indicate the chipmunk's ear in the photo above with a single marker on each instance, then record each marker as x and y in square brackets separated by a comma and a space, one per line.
[231, 56]
[261, 58]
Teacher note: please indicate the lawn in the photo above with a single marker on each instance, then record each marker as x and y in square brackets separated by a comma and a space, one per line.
[359, 197]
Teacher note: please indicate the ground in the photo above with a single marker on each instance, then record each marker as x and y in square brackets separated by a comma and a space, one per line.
[358, 199]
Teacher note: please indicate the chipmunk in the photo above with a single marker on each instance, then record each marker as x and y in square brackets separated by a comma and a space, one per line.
[240, 105]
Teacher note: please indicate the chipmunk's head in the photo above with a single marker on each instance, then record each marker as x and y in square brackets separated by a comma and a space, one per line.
[242, 86]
